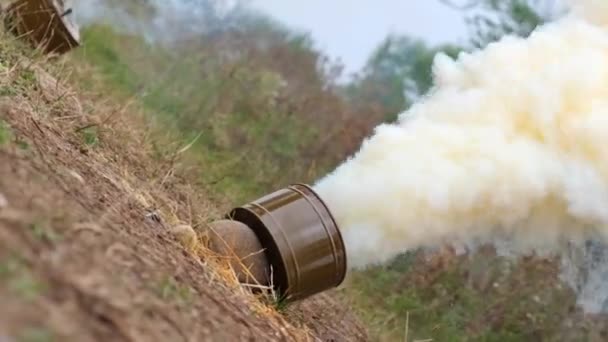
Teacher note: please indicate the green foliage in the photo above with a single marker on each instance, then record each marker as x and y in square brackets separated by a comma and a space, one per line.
[171, 290]
[36, 334]
[90, 136]
[22, 144]
[43, 233]
[475, 298]
[7, 90]
[280, 304]
[19, 279]
[27, 78]
[398, 73]
[5, 133]
[261, 123]
[512, 17]
[494, 19]
[400, 70]
[101, 51]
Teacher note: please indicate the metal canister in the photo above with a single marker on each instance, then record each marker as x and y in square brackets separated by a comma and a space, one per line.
[302, 241]
[45, 24]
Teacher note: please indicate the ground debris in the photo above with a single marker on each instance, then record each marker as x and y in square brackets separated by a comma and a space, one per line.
[109, 254]
[3, 201]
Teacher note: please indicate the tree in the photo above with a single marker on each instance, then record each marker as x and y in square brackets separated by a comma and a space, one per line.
[397, 73]
[490, 20]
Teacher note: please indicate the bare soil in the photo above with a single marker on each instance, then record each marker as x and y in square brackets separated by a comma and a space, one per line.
[86, 253]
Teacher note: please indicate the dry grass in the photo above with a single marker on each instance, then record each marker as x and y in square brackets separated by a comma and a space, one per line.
[103, 158]
[254, 113]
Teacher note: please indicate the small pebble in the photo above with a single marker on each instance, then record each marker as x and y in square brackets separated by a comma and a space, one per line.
[186, 236]
[153, 217]
[76, 176]
[3, 201]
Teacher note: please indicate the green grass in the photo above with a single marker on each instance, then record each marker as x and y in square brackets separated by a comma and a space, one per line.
[473, 299]
[249, 143]
[22, 144]
[7, 90]
[36, 334]
[90, 136]
[43, 233]
[19, 279]
[101, 52]
[27, 78]
[171, 290]
[6, 134]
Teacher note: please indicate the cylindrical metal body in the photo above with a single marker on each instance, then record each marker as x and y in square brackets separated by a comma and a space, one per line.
[301, 239]
[45, 23]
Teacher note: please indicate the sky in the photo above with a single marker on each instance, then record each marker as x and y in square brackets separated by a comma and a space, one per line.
[351, 29]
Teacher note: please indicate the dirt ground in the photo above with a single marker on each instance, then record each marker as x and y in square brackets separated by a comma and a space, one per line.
[86, 252]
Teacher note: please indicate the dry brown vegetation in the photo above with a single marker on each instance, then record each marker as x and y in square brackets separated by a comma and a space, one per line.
[87, 204]
[261, 104]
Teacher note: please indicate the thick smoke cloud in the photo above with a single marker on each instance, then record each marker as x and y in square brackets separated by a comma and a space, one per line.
[511, 147]
[511, 144]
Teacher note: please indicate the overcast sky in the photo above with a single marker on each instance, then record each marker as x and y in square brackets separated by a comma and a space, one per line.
[351, 29]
